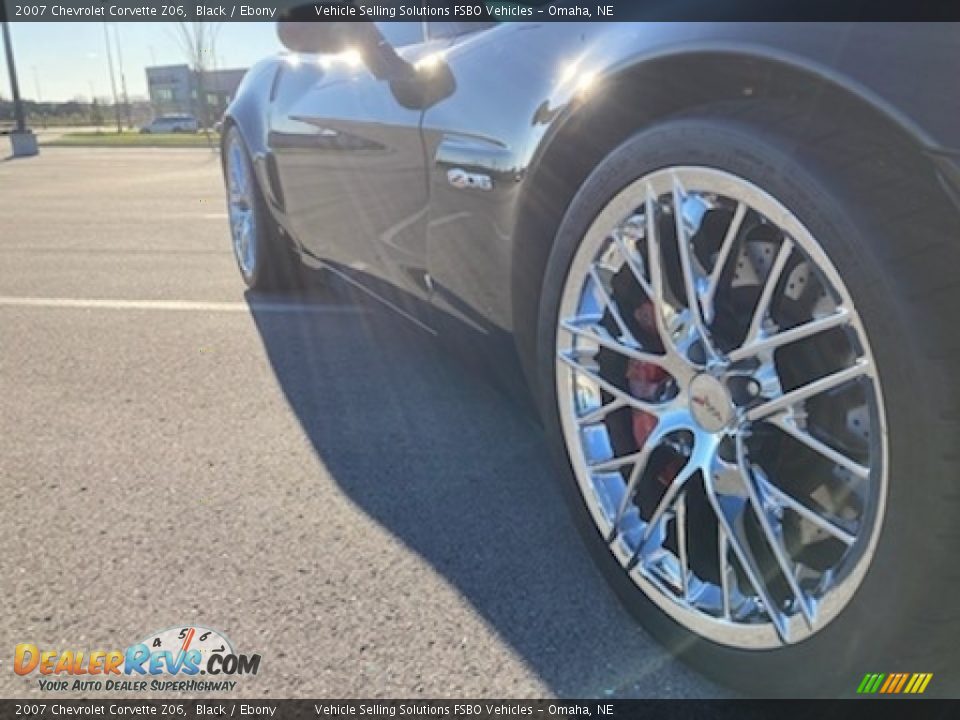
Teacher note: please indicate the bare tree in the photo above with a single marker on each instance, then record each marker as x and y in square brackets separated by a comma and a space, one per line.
[198, 42]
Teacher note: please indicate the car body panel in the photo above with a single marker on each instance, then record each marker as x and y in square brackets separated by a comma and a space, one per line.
[349, 161]
[385, 205]
[508, 143]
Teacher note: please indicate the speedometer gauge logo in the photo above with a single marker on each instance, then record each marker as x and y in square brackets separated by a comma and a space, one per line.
[184, 639]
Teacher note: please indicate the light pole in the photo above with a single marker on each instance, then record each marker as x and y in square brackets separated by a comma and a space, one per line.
[36, 83]
[113, 81]
[123, 77]
[22, 140]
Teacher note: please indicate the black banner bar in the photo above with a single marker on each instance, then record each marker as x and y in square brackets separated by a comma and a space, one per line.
[466, 11]
[484, 709]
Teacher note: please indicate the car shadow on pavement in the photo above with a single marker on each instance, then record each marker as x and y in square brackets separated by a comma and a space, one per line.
[462, 476]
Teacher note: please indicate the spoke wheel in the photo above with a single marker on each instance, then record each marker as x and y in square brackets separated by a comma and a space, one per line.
[266, 257]
[721, 408]
[241, 205]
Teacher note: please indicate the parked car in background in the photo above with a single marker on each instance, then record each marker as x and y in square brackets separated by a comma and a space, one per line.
[725, 258]
[172, 124]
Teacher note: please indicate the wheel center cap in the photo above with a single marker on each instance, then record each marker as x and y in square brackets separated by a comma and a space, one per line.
[710, 403]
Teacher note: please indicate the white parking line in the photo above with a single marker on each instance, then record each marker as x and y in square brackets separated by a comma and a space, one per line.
[180, 305]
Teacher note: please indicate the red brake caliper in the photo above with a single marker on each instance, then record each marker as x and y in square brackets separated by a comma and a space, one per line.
[646, 382]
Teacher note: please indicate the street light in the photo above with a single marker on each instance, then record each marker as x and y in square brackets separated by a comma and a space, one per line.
[22, 140]
[36, 83]
[123, 78]
[113, 80]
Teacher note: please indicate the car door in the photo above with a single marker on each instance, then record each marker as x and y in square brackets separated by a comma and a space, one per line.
[404, 247]
[477, 143]
[349, 158]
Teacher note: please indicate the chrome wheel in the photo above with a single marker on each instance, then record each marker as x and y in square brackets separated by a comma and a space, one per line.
[241, 205]
[721, 408]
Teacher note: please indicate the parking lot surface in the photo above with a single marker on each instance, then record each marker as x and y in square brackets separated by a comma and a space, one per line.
[310, 476]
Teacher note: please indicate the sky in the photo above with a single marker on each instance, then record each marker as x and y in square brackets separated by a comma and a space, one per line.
[62, 61]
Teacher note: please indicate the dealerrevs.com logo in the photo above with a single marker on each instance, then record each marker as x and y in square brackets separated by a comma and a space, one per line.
[188, 658]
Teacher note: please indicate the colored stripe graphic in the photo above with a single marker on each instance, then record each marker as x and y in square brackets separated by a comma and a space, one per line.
[903, 681]
[894, 683]
[919, 683]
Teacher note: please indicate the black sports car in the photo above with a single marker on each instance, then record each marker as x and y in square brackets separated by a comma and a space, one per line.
[723, 257]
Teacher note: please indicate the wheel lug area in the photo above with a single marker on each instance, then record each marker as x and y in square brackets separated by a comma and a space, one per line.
[743, 389]
[727, 449]
[697, 353]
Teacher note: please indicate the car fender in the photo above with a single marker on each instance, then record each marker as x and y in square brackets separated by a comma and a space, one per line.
[847, 59]
[249, 112]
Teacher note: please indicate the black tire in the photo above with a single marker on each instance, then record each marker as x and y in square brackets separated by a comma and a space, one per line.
[879, 214]
[277, 266]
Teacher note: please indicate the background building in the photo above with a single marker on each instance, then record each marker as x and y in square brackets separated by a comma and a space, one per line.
[178, 89]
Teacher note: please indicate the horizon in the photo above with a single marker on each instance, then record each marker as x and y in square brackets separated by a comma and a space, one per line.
[82, 73]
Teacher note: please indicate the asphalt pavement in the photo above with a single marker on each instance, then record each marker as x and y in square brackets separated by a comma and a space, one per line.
[311, 476]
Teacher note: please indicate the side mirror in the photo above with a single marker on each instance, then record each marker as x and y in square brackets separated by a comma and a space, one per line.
[301, 35]
[414, 87]
[425, 88]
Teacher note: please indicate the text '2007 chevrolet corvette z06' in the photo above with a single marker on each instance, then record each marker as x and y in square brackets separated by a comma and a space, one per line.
[723, 258]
